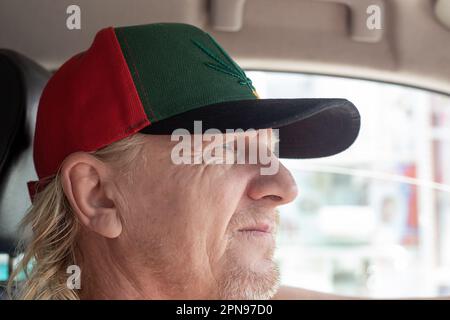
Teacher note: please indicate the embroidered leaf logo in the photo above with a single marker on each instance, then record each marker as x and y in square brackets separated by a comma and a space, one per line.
[228, 66]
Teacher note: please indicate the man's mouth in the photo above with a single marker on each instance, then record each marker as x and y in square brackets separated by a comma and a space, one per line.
[258, 229]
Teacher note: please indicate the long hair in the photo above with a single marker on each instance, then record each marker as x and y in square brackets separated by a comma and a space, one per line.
[50, 231]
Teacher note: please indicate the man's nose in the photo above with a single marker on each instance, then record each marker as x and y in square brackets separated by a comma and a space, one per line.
[280, 188]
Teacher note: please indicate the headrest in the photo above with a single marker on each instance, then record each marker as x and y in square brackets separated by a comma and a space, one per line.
[21, 84]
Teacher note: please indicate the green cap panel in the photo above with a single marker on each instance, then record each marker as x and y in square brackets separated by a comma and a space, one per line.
[178, 67]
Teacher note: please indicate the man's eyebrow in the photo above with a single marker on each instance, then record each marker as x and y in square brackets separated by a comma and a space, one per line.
[273, 136]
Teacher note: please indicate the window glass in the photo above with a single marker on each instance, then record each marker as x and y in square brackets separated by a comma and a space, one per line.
[4, 267]
[375, 219]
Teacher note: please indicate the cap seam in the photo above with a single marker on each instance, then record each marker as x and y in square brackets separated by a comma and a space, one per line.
[208, 103]
[130, 52]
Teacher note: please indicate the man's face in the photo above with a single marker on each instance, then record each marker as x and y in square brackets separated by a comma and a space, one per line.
[202, 230]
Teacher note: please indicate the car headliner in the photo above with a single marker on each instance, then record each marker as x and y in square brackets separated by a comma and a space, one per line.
[314, 36]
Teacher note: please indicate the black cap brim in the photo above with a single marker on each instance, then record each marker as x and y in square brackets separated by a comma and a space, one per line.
[309, 128]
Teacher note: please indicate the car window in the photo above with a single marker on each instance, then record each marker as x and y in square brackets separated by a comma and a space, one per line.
[375, 219]
[4, 267]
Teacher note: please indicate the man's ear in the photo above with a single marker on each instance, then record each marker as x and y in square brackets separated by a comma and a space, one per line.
[91, 193]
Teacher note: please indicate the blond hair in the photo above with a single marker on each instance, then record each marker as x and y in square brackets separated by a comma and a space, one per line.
[51, 246]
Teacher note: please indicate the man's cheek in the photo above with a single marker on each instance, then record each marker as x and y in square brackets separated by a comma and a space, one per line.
[214, 222]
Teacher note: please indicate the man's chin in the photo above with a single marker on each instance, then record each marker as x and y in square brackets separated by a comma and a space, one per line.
[260, 282]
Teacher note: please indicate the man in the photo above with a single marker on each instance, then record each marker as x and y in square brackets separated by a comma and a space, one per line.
[159, 176]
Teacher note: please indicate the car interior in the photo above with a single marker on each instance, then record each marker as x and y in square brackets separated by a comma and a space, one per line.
[300, 48]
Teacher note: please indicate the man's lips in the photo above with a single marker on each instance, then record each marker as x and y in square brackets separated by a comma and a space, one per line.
[258, 228]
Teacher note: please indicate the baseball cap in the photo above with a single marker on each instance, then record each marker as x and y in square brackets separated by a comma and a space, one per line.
[156, 78]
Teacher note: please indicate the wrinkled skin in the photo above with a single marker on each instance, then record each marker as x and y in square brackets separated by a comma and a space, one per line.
[175, 231]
